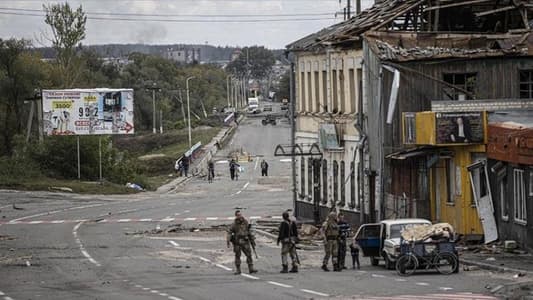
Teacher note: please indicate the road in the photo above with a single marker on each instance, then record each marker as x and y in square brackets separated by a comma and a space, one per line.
[172, 246]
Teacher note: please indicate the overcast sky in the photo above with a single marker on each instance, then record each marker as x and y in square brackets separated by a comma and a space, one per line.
[215, 22]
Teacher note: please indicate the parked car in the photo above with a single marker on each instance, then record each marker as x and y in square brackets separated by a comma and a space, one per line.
[382, 240]
[269, 119]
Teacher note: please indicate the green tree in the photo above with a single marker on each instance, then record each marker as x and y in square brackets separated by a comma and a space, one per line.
[68, 30]
[253, 61]
[20, 74]
[283, 89]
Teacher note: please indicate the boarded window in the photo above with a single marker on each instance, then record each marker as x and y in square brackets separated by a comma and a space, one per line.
[519, 195]
[310, 179]
[526, 84]
[352, 185]
[343, 185]
[465, 81]
[324, 181]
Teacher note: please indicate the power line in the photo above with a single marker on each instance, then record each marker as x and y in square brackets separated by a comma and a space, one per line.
[181, 20]
[180, 15]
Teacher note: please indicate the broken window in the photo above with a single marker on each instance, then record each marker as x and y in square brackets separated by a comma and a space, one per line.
[519, 195]
[335, 182]
[526, 84]
[464, 81]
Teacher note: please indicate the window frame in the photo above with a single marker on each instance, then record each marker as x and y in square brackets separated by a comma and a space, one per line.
[466, 85]
[519, 197]
[528, 83]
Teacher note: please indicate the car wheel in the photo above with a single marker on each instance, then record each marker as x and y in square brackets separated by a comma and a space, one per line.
[374, 261]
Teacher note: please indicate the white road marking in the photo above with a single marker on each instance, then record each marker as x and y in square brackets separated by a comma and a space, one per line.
[145, 288]
[1, 293]
[280, 284]
[187, 211]
[174, 243]
[138, 286]
[223, 267]
[378, 276]
[250, 276]
[54, 212]
[276, 217]
[255, 217]
[123, 220]
[8, 298]
[238, 192]
[204, 259]
[167, 219]
[445, 288]
[163, 294]
[285, 160]
[174, 298]
[246, 185]
[80, 245]
[256, 163]
[422, 283]
[400, 280]
[35, 222]
[189, 219]
[211, 218]
[315, 293]
[229, 218]
[154, 291]
[58, 222]
[145, 220]
[222, 162]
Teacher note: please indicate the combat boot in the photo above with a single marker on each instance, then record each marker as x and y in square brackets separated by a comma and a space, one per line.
[294, 269]
[336, 268]
[325, 268]
[237, 270]
[285, 269]
[251, 269]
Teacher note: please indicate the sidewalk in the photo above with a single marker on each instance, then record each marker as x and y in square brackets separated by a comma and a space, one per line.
[499, 262]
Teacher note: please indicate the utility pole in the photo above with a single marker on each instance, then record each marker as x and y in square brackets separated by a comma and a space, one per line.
[153, 88]
[189, 110]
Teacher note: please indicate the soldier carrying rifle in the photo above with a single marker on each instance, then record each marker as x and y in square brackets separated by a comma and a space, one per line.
[241, 237]
[288, 236]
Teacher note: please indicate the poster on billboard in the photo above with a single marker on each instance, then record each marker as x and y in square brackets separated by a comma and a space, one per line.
[460, 128]
[88, 111]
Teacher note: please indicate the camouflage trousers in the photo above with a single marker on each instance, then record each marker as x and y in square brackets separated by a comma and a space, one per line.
[288, 249]
[331, 249]
[342, 252]
[243, 246]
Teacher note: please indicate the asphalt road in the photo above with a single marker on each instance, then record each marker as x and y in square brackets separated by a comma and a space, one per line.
[64, 246]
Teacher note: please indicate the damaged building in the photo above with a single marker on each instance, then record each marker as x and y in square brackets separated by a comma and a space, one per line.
[433, 76]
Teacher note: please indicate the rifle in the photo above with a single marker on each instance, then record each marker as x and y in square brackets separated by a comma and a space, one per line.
[252, 240]
[252, 243]
[293, 243]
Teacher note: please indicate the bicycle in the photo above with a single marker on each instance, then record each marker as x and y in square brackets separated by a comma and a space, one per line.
[416, 255]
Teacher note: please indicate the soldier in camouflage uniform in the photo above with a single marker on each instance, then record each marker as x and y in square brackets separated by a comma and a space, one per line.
[242, 239]
[288, 236]
[330, 231]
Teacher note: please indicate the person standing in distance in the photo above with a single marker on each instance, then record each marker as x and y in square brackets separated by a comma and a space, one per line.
[330, 233]
[240, 236]
[288, 236]
[264, 168]
[344, 232]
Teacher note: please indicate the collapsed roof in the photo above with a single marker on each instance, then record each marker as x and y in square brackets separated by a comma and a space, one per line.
[444, 16]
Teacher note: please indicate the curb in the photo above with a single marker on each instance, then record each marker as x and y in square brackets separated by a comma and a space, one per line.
[493, 267]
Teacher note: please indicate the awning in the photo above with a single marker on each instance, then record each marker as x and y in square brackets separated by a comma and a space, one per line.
[411, 153]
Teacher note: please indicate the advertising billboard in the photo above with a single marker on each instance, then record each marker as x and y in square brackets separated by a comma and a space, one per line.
[460, 128]
[88, 111]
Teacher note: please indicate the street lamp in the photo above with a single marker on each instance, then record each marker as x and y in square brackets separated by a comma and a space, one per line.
[189, 109]
[153, 88]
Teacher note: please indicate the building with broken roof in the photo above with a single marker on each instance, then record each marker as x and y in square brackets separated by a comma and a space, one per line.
[433, 75]
[435, 71]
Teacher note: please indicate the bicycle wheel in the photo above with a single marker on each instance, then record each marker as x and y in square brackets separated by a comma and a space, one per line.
[406, 264]
[445, 263]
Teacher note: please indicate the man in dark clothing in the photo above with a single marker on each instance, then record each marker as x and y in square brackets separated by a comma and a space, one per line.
[264, 168]
[243, 240]
[233, 165]
[185, 162]
[344, 232]
[210, 170]
[288, 236]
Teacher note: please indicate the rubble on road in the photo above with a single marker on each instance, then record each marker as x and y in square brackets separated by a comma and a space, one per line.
[178, 228]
